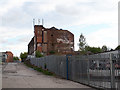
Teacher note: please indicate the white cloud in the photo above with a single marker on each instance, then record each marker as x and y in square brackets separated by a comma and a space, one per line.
[7, 33]
[15, 40]
[103, 37]
[6, 5]
[17, 20]
[16, 48]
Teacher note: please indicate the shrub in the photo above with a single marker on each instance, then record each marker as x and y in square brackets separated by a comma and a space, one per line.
[118, 47]
[15, 58]
[52, 52]
[38, 54]
[23, 56]
[44, 71]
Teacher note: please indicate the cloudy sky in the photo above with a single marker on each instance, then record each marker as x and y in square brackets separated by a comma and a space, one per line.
[96, 19]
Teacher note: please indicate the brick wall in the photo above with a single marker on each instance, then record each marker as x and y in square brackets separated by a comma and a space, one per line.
[31, 47]
[53, 39]
[60, 41]
[9, 56]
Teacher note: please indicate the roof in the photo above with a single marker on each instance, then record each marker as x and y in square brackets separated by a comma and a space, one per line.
[110, 52]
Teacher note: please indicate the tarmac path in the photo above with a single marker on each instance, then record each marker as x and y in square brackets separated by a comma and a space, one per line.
[17, 75]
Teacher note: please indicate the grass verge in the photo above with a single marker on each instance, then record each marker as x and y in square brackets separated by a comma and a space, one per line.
[44, 71]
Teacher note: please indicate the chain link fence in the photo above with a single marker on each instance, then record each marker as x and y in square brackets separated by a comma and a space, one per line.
[100, 70]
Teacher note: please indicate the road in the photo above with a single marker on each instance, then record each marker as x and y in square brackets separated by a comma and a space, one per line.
[17, 75]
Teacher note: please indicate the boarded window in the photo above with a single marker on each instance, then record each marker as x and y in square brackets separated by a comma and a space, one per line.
[44, 47]
[39, 44]
[45, 36]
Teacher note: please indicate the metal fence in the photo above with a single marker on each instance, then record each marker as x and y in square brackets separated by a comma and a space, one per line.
[101, 71]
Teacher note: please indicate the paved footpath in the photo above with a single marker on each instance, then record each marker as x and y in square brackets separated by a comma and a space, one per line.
[20, 76]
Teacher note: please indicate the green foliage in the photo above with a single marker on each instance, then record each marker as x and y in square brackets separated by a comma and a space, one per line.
[84, 49]
[15, 58]
[23, 56]
[38, 54]
[82, 43]
[52, 52]
[93, 50]
[46, 72]
[104, 48]
[118, 47]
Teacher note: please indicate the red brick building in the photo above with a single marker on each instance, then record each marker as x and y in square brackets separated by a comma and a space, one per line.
[9, 56]
[48, 40]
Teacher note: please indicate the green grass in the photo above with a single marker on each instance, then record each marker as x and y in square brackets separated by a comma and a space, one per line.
[44, 71]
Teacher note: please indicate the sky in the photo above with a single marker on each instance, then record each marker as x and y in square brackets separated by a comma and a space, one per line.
[97, 20]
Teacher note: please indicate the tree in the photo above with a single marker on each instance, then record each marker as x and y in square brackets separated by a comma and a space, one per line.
[118, 47]
[38, 54]
[93, 50]
[15, 58]
[82, 43]
[23, 56]
[104, 48]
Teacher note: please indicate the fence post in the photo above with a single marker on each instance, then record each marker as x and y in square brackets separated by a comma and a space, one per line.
[112, 71]
[67, 65]
[88, 73]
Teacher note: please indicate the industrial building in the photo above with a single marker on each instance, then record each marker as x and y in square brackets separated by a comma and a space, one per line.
[48, 40]
[6, 56]
[3, 56]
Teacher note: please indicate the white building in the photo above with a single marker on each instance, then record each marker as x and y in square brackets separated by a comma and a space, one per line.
[3, 56]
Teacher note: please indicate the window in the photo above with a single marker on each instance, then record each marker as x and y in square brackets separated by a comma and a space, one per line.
[52, 44]
[51, 34]
[39, 44]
